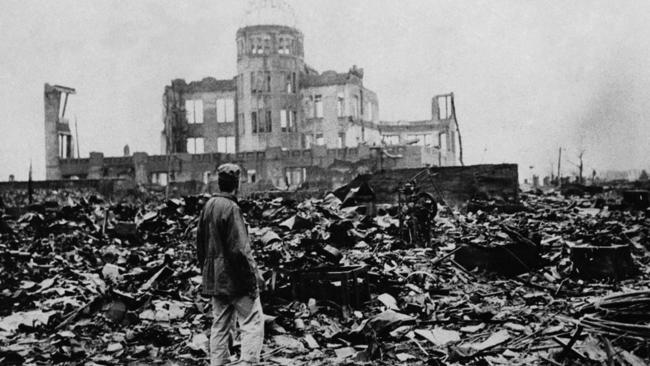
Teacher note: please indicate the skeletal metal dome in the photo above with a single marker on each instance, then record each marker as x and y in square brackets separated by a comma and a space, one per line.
[269, 12]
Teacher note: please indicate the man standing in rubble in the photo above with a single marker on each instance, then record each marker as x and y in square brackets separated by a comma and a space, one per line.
[229, 272]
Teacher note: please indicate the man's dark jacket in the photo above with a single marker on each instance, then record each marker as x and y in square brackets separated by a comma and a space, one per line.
[224, 251]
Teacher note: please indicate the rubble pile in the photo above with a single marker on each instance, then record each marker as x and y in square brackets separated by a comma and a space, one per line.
[88, 281]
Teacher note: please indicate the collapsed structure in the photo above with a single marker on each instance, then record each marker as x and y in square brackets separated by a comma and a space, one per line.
[89, 279]
[278, 118]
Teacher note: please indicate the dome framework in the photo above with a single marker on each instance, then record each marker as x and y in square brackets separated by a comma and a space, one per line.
[269, 12]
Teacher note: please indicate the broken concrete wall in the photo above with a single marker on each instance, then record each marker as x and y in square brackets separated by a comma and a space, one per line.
[324, 169]
[271, 164]
[96, 165]
[456, 184]
[203, 121]
[105, 187]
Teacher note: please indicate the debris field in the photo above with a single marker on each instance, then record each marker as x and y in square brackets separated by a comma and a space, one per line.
[560, 281]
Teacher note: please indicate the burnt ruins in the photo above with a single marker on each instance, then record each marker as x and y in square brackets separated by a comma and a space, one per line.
[376, 244]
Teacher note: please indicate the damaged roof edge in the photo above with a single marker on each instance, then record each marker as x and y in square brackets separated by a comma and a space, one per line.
[208, 84]
[60, 88]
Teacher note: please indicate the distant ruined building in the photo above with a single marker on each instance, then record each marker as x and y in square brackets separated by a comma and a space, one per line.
[283, 122]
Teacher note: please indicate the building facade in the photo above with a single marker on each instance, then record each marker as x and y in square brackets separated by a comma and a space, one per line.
[277, 117]
[278, 100]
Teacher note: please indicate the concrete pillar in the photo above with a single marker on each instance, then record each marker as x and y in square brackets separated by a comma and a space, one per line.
[52, 100]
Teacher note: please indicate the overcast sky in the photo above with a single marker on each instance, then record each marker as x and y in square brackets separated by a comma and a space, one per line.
[528, 76]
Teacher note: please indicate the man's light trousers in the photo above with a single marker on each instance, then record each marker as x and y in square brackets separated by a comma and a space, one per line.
[248, 312]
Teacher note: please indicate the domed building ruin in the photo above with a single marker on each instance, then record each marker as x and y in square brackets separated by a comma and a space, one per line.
[284, 122]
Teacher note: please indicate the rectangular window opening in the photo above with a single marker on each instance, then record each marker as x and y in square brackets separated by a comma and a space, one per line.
[444, 107]
[221, 110]
[443, 142]
[226, 144]
[318, 106]
[254, 122]
[267, 46]
[159, 178]
[267, 81]
[283, 120]
[355, 107]
[195, 145]
[308, 141]
[295, 176]
[252, 175]
[194, 110]
[340, 106]
[269, 122]
[288, 84]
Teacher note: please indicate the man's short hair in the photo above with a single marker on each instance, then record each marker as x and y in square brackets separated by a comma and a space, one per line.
[228, 177]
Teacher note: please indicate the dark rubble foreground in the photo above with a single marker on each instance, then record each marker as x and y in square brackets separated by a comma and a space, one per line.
[87, 281]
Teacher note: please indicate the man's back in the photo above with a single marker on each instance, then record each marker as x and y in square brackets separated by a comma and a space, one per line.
[224, 251]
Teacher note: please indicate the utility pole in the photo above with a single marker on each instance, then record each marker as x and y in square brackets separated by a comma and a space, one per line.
[30, 184]
[559, 164]
[581, 166]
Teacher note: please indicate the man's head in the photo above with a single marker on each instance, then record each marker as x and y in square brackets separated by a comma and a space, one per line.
[228, 178]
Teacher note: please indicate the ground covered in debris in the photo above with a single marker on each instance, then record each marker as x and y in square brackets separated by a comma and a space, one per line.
[87, 281]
